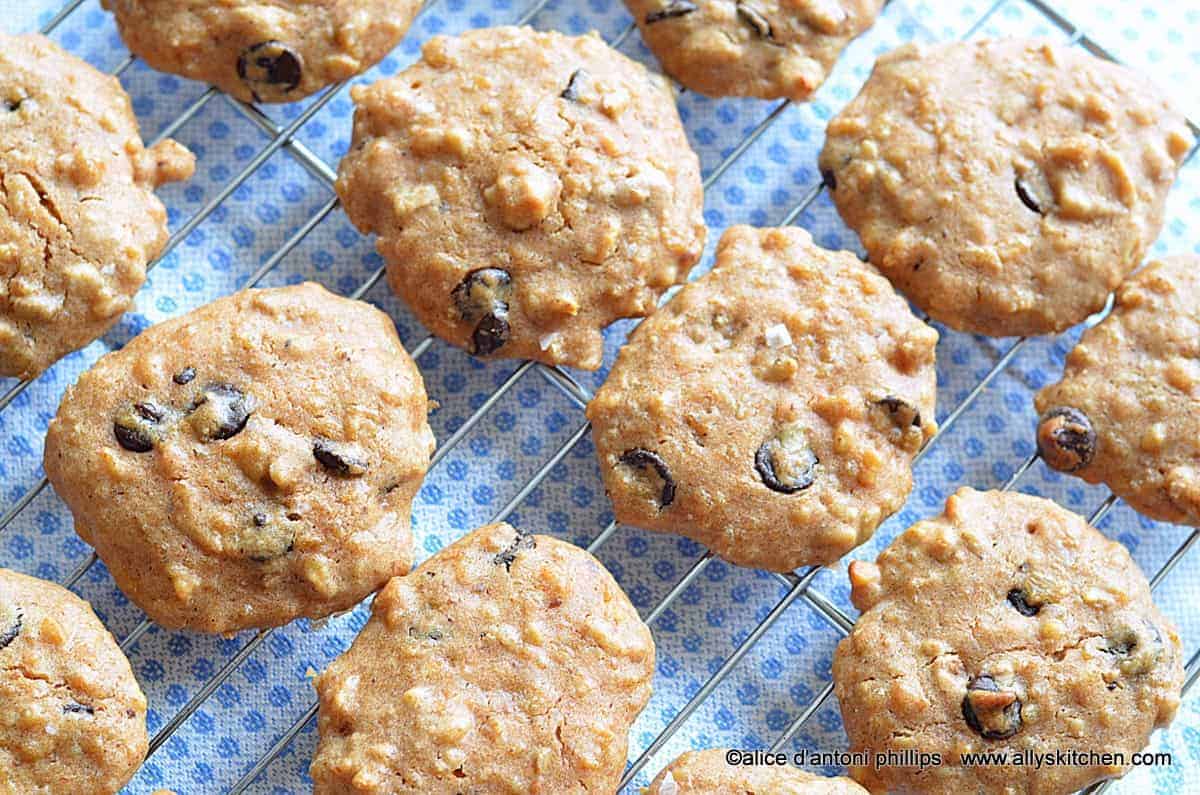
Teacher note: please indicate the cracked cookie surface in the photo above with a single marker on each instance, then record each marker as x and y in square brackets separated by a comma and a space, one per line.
[72, 716]
[78, 217]
[1127, 410]
[250, 462]
[1006, 186]
[1005, 624]
[707, 773]
[751, 48]
[263, 50]
[527, 189]
[504, 663]
[771, 410]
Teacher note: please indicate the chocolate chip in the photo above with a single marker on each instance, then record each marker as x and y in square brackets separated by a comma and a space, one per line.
[902, 413]
[1019, 599]
[428, 634]
[482, 297]
[185, 376]
[345, 459]
[12, 105]
[10, 624]
[1137, 645]
[785, 462]
[672, 10]
[640, 458]
[1026, 197]
[75, 708]
[220, 412]
[1066, 439]
[267, 538]
[270, 63]
[575, 85]
[755, 19]
[506, 556]
[991, 712]
[829, 179]
[138, 426]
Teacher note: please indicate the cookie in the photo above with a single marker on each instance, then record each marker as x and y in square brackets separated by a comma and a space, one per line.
[250, 462]
[506, 662]
[78, 216]
[772, 409]
[1005, 625]
[1006, 187]
[72, 717]
[263, 50]
[527, 189]
[707, 773]
[751, 48]
[1124, 413]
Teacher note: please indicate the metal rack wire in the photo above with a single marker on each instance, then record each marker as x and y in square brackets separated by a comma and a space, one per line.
[798, 584]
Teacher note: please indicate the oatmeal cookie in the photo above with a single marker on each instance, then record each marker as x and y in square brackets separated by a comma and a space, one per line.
[1127, 411]
[527, 189]
[78, 217]
[772, 409]
[1006, 187]
[707, 773]
[751, 48]
[1005, 624]
[505, 663]
[249, 463]
[263, 50]
[72, 717]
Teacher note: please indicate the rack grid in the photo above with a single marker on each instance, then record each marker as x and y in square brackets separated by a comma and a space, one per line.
[797, 584]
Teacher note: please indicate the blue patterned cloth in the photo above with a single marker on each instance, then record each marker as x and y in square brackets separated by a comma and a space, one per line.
[790, 665]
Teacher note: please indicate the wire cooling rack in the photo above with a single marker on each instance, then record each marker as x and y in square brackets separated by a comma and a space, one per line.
[257, 751]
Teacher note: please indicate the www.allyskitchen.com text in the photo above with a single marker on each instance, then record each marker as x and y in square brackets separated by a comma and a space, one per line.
[914, 758]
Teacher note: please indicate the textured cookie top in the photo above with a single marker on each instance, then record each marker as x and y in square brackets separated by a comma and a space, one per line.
[78, 219]
[263, 50]
[772, 409]
[751, 48]
[527, 188]
[505, 663]
[72, 717]
[1007, 623]
[1005, 186]
[250, 462]
[707, 773]
[1127, 411]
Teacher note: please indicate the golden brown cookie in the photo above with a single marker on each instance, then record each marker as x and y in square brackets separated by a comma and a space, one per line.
[1008, 186]
[78, 217]
[527, 189]
[751, 48]
[263, 50]
[72, 717]
[1006, 624]
[249, 463]
[1127, 411]
[772, 409]
[707, 773]
[505, 663]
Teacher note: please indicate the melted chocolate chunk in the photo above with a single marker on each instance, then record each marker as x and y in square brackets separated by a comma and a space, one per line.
[267, 538]
[270, 63]
[10, 624]
[185, 376]
[506, 556]
[829, 179]
[74, 708]
[785, 463]
[482, 297]
[575, 85]
[1137, 645]
[139, 426]
[347, 460]
[672, 10]
[221, 412]
[1026, 197]
[1019, 599]
[1066, 439]
[755, 19]
[991, 712]
[640, 458]
[903, 414]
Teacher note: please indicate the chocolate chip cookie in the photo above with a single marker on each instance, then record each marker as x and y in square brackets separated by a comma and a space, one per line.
[527, 189]
[72, 717]
[249, 463]
[707, 773]
[772, 409]
[1125, 413]
[78, 216]
[506, 662]
[751, 48]
[1006, 187]
[1006, 624]
[263, 50]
